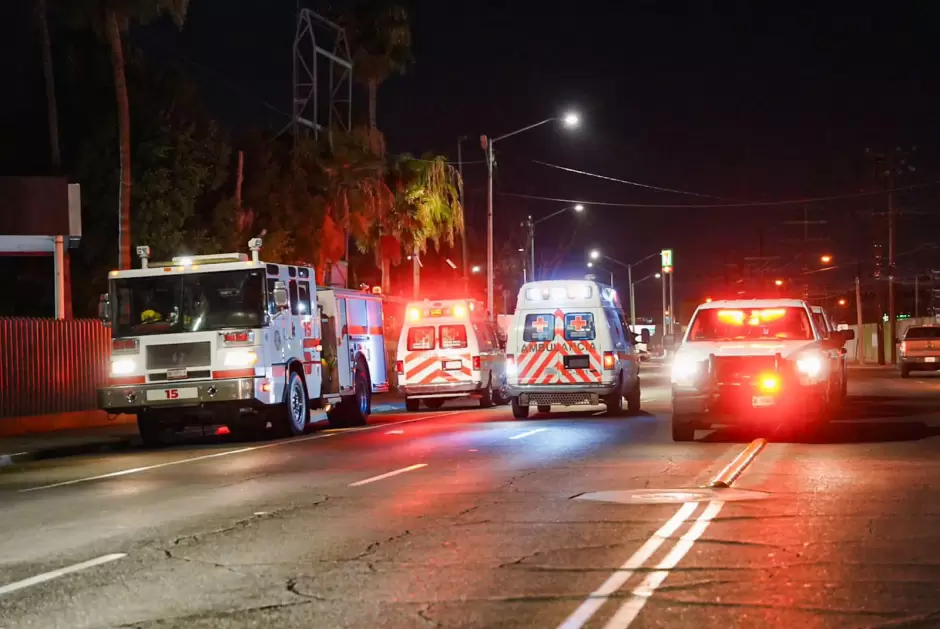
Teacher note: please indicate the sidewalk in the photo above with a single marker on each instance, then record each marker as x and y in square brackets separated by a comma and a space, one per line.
[49, 442]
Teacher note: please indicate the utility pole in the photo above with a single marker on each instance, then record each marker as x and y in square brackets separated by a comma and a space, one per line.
[859, 345]
[632, 295]
[463, 239]
[672, 303]
[805, 242]
[665, 312]
[892, 331]
[917, 296]
[490, 304]
[530, 226]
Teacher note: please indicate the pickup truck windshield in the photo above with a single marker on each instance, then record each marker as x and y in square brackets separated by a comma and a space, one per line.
[732, 324]
[193, 302]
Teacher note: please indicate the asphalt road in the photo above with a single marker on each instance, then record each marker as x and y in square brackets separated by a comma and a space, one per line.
[468, 518]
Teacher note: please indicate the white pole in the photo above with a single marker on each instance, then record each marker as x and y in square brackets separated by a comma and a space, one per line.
[59, 277]
[490, 302]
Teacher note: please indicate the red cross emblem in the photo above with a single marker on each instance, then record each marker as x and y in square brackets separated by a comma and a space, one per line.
[540, 324]
[577, 323]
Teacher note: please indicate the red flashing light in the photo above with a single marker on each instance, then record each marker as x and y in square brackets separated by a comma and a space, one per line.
[400, 366]
[236, 337]
[608, 360]
[769, 383]
[476, 363]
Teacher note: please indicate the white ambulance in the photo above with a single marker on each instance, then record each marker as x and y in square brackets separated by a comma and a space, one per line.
[570, 344]
[228, 339]
[448, 350]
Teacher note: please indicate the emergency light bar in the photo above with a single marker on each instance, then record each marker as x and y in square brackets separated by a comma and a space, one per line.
[458, 310]
[559, 293]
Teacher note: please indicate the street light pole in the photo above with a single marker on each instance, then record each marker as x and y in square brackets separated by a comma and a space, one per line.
[672, 303]
[632, 297]
[665, 311]
[463, 239]
[489, 228]
[570, 120]
[530, 224]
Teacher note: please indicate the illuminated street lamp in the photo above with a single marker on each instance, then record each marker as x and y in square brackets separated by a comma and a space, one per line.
[475, 269]
[778, 282]
[825, 259]
[842, 301]
[530, 226]
[570, 120]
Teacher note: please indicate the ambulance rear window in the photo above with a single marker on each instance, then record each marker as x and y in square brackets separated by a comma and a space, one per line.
[421, 338]
[579, 326]
[453, 336]
[539, 328]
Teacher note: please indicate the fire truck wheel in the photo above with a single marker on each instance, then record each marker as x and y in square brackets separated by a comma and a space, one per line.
[486, 398]
[354, 409]
[633, 399]
[412, 405]
[614, 401]
[152, 432]
[295, 413]
[519, 411]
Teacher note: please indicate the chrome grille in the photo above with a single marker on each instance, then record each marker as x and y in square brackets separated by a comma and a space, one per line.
[177, 355]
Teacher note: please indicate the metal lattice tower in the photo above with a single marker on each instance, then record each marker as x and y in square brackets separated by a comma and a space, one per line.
[321, 45]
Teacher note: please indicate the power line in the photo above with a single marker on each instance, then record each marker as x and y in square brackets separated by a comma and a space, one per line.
[631, 183]
[853, 195]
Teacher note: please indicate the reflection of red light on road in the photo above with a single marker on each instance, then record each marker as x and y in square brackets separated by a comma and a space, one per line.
[222, 430]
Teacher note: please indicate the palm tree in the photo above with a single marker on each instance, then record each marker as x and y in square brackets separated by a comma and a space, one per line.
[430, 199]
[111, 18]
[52, 116]
[380, 37]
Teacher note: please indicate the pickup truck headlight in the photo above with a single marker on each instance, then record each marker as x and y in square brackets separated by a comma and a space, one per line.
[811, 365]
[685, 370]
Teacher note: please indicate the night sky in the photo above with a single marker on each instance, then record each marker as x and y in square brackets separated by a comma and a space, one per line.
[731, 99]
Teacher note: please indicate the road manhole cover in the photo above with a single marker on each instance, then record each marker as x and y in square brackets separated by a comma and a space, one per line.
[669, 496]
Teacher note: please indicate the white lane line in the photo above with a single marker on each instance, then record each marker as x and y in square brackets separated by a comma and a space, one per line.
[529, 434]
[614, 582]
[55, 574]
[631, 609]
[156, 466]
[410, 468]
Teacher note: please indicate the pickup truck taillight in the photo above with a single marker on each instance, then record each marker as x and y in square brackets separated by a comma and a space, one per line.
[400, 366]
[476, 363]
[125, 346]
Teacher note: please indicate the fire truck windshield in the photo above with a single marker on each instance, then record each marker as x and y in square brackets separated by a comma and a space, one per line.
[194, 302]
[713, 324]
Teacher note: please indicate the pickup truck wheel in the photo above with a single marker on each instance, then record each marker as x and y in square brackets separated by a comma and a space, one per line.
[412, 405]
[683, 429]
[905, 371]
[519, 411]
[152, 432]
[294, 415]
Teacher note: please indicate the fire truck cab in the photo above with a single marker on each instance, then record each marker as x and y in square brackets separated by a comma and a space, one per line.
[228, 339]
[570, 344]
[449, 350]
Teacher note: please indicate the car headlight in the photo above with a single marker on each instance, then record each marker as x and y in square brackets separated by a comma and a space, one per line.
[123, 366]
[240, 358]
[684, 370]
[810, 365]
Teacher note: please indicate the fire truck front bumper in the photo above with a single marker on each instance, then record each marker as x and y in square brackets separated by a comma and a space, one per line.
[560, 394]
[234, 391]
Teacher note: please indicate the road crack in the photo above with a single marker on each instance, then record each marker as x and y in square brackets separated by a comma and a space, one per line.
[374, 546]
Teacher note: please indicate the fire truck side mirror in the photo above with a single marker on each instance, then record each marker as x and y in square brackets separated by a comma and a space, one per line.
[281, 300]
[104, 309]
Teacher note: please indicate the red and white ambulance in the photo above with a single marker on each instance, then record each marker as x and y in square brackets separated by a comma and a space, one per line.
[570, 344]
[448, 350]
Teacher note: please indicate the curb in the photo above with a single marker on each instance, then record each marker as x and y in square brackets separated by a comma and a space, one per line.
[113, 444]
